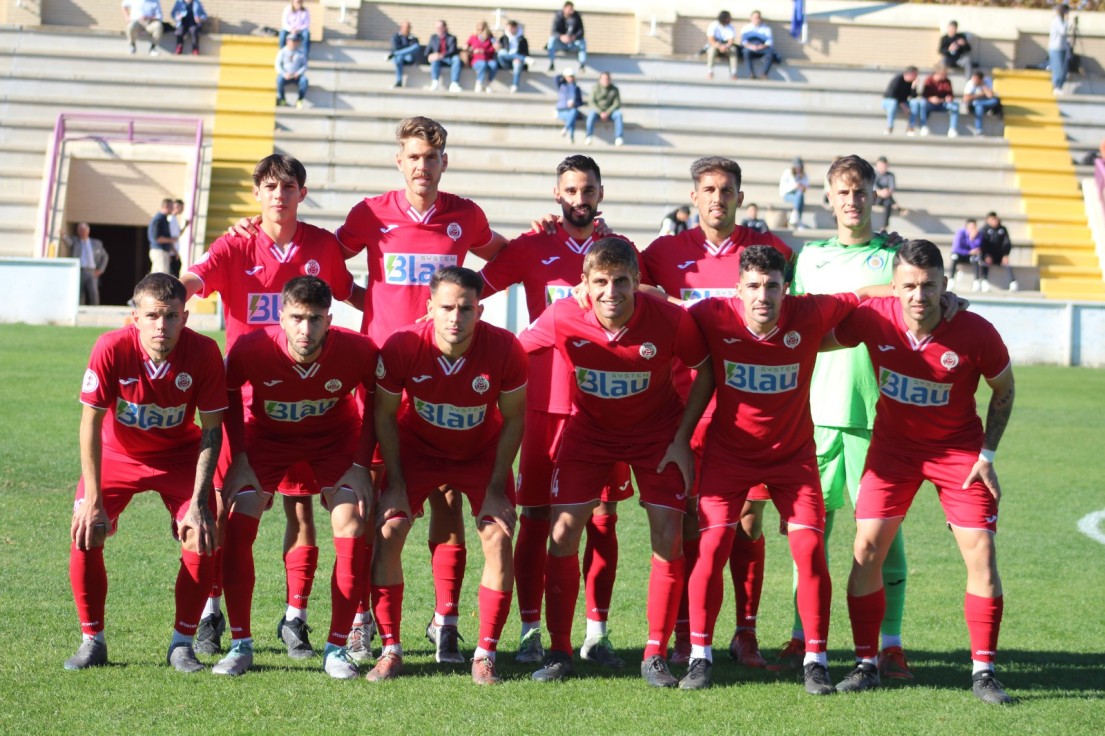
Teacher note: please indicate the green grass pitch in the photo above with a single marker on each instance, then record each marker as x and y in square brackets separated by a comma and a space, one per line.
[1051, 655]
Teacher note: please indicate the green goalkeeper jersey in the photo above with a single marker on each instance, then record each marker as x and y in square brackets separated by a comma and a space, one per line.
[843, 391]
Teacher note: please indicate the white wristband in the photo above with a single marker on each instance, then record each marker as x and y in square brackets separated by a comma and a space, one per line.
[987, 455]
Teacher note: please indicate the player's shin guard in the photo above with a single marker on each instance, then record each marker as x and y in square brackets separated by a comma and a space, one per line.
[346, 586]
[193, 583]
[866, 612]
[706, 586]
[300, 564]
[815, 591]
[561, 593]
[983, 624]
[600, 565]
[238, 572]
[447, 561]
[365, 606]
[746, 565]
[665, 583]
[88, 576]
[894, 572]
[529, 566]
[494, 610]
[683, 617]
[217, 581]
[387, 607]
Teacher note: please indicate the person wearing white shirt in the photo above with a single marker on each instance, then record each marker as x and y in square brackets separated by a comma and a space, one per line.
[721, 40]
[1058, 47]
[757, 42]
[793, 185]
[145, 15]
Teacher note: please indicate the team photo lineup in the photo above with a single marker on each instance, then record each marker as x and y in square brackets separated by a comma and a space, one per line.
[709, 373]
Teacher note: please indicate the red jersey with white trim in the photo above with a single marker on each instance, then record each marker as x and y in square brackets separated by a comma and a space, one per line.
[152, 408]
[548, 267]
[926, 388]
[310, 403]
[450, 409]
[763, 383]
[623, 380]
[404, 249]
[250, 273]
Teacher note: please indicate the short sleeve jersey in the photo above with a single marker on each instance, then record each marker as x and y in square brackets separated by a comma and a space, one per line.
[927, 387]
[152, 408]
[547, 266]
[843, 392]
[450, 408]
[763, 382]
[623, 380]
[250, 273]
[404, 249]
[307, 403]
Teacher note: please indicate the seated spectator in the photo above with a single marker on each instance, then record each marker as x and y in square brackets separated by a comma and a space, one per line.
[569, 99]
[899, 98]
[513, 50]
[405, 51]
[567, 35]
[721, 40]
[757, 43]
[676, 221]
[979, 97]
[296, 21]
[188, 15]
[752, 219]
[145, 15]
[1090, 157]
[965, 249]
[955, 49]
[884, 189]
[291, 66]
[793, 185]
[442, 49]
[481, 51]
[606, 104]
[936, 96]
[994, 250]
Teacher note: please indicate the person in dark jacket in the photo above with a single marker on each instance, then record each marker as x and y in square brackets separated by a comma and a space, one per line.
[995, 249]
[567, 35]
[569, 98]
[513, 50]
[897, 98]
[405, 50]
[442, 49]
[955, 49]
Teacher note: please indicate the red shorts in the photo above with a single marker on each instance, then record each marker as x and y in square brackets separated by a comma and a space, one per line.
[793, 486]
[583, 467]
[275, 462]
[893, 475]
[698, 445]
[298, 481]
[535, 468]
[424, 474]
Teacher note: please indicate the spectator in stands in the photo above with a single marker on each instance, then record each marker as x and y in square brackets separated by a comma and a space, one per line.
[979, 97]
[676, 221]
[176, 229]
[93, 257]
[189, 16]
[567, 35]
[994, 250]
[757, 43]
[722, 40]
[569, 99]
[955, 49]
[1059, 47]
[291, 66]
[899, 97]
[296, 21]
[1090, 157]
[482, 57]
[513, 50]
[405, 51]
[145, 15]
[161, 240]
[440, 50]
[965, 249]
[793, 185]
[884, 189]
[937, 96]
[753, 220]
[606, 104]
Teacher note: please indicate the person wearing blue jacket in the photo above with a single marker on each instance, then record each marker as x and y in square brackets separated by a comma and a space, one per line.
[189, 16]
[569, 99]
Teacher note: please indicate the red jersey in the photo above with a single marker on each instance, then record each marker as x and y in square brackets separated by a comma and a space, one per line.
[763, 383]
[310, 404]
[250, 273]
[926, 388]
[623, 380]
[405, 247]
[548, 267]
[450, 409]
[152, 408]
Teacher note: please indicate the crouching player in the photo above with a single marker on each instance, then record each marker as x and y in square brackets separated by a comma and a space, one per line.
[302, 375]
[927, 428]
[148, 380]
[450, 410]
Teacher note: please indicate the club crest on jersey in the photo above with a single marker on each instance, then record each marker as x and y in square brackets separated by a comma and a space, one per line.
[913, 391]
[90, 382]
[297, 411]
[648, 351]
[691, 295]
[312, 268]
[949, 360]
[480, 384]
[414, 269]
[333, 385]
[556, 292]
[612, 384]
[875, 261]
[381, 371]
[761, 379]
[183, 381]
[791, 339]
[454, 231]
[448, 416]
[263, 309]
[149, 416]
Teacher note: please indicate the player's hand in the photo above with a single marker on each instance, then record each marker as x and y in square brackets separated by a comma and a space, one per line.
[198, 521]
[546, 224]
[892, 239]
[583, 299]
[359, 481]
[238, 477]
[245, 227]
[602, 230]
[984, 471]
[951, 304]
[498, 508]
[393, 504]
[89, 526]
[680, 453]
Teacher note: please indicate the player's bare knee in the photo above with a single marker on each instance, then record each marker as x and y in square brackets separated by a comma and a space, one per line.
[250, 503]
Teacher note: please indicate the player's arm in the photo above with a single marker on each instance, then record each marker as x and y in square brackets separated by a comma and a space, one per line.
[496, 506]
[90, 521]
[245, 227]
[193, 284]
[240, 474]
[393, 501]
[491, 248]
[679, 451]
[198, 520]
[357, 478]
[997, 418]
[541, 333]
[357, 297]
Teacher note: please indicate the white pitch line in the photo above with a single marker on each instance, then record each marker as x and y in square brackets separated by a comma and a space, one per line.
[1090, 526]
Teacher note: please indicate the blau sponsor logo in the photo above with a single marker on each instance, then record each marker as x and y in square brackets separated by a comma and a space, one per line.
[448, 416]
[149, 416]
[297, 411]
[689, 295]
[414, 269]
[612, 384]
[761, 379]
[263, 309]
[555, 292]
[909, 390]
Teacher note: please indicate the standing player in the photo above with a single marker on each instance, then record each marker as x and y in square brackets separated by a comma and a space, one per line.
[625, 409]
[548, 265]
[302, 375]
[148, 380]
[928, 428]
[249, 270]
[450, 409]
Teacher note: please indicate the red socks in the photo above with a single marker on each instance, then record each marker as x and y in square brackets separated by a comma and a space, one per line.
[665, 583]
[387, 607]
[866, 612]
[299, 574]
[88, 576]
[494, 610]
[346, 586]
[447, 561]
[238, 574]
[983, 624]
[746, 565]
[561, 592]
[193, 583]
[706, 586]
[366, 594]
[217, 580]
[600, 565]
[683, 618]
[815, 589]
[529, 566]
